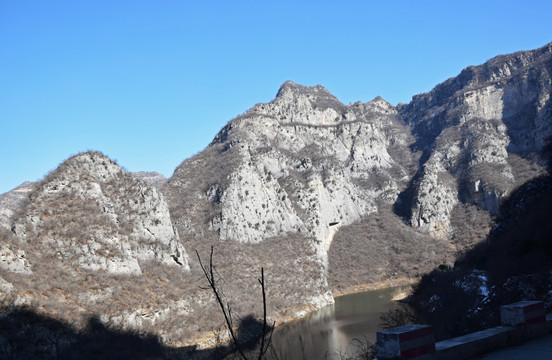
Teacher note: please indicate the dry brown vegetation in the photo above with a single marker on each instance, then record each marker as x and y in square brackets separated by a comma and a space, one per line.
[470, 225]
[73, 295]
[381, 248]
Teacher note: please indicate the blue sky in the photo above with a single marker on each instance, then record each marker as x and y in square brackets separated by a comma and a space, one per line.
[150, 83]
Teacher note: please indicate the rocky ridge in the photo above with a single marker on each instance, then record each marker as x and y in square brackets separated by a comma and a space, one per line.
[13, 200]
[153, 178]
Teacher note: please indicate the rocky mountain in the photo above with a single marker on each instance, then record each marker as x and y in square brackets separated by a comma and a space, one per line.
[326, 197]
[306, 165]
[94, 214]
[93, 240]
[303, 163]
[480, 134]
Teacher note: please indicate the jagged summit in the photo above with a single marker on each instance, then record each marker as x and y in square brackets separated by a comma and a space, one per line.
[520, 59]
[289, 87]
[379, 104]
[293, 97]
[497, 72]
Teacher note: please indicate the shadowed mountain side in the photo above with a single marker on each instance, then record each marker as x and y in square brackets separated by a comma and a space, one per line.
[25, 334]
[514, 264]
[479, 133]
[521, 241]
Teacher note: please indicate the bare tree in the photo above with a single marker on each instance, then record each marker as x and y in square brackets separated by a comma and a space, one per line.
[266, 335]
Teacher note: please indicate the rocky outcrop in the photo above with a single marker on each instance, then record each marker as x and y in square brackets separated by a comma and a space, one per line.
[91, 213]
[14, 259]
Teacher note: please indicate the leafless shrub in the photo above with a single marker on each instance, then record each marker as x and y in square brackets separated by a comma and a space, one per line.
[403, 315]
[470, 225]
[358, 349]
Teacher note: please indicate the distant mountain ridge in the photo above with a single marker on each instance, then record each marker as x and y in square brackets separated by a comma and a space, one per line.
[13, 200]
[326, 197]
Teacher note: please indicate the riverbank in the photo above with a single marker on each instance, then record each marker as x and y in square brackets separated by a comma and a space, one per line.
[386, 284]
[401, 285]
[352, 321]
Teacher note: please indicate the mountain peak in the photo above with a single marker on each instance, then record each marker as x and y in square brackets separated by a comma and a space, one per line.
[92, 163]
[290, 88]
[381, 105]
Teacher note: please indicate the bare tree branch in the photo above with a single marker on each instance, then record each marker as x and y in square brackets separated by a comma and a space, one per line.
[264, 347]
[212, 276]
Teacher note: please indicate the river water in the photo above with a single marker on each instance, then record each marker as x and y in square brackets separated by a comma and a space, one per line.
[333, 328]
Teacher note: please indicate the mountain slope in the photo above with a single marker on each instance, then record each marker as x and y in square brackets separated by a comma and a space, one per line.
[296, 164]
[13, 200]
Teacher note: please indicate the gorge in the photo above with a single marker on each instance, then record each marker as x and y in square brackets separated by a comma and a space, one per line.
[328, 198]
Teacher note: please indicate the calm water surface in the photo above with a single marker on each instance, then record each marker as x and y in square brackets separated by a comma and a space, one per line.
[333, 328]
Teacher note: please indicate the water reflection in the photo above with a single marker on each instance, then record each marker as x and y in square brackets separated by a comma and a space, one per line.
[333, 328]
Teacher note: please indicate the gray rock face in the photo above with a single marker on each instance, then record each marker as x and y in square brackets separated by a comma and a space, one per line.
[477, 131]
[14, 259]
[93, 214]
[302, 165]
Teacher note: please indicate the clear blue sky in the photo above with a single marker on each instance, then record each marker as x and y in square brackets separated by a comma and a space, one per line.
[150, 83]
